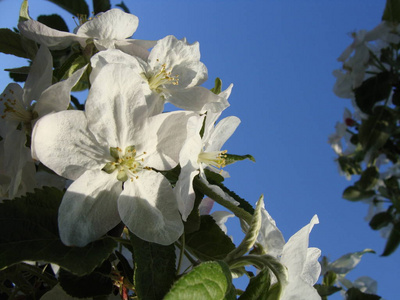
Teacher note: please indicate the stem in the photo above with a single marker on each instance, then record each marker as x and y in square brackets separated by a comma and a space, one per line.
[239, 212]
[182, 247]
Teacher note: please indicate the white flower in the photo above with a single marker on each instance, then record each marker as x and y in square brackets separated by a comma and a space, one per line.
[300, 260]
[109, 30]
[112, 151]
[172, 73]
[20, 108]
[203, 152]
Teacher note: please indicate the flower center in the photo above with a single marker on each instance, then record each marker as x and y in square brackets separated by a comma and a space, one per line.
[13, 110]
[163, 77]
[213, 158]
[127, 164]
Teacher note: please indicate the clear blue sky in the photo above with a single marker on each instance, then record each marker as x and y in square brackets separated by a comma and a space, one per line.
[280, 56]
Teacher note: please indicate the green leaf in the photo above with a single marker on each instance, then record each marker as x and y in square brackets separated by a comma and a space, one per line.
[353, 193]
[258, 286]
[393, 240]
[373, 90]
[123, 7]
[125, 267]
[380, 220]
[97, 283]
[154, 268]
[356, 294]
[369, 178]
[193, 221]
[392, 11]
[209, 242]
[232, 158]
[29, 231]
[54, 21]
[207, 281]
[330, 278]
[217, 86]
[101, 6]
[10, 43]
[75, 7]
[325, 291]
[374, 132]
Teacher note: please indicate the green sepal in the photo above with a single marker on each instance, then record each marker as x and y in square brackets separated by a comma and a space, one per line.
[258, 287]
[330, 278]
[23, 12]
[393, 240]
[217, 86]
[10, 43]
[373, 90]
[123, 6]
[355, 294]
[369, 178]
[392, 11]
[326, 290]
[251, 235]
[209, 242]
[380, 220]
[232, 158]
[29, 231]
[353, 193]
[109, 167]
[98, 283]
[114, 152]
[76, 7]
[207, 281]
[101, 6]
[154, 268]
[53, 21]
[121, 176]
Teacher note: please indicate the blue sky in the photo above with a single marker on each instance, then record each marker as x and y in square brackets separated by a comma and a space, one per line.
[280, 56]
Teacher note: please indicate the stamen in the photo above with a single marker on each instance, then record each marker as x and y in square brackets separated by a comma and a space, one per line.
[214, 158]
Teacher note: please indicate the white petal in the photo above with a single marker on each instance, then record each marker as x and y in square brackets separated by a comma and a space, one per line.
[62, 142]
[89, 208]
[148, 208]
[196, 98]
[57, 97]
[47, 36]
[40, 75]
[113, 24]
[137, 48]
[222, 132]
[116, 108]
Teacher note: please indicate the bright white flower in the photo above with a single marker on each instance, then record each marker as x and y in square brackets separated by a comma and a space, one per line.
[109, 30]
[20, 108]
[172, 73]
[300, 260]
[200, 152]
[112, 151]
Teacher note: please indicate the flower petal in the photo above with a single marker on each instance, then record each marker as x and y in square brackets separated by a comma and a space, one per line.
[62, 142]
[148, 208]
[222, 132]
[89, 208]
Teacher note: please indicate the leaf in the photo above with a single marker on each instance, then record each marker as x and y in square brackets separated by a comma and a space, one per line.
[29, 231]
[53, 21]
[193, 221]
[325, 291]
[10, 43]
[232, 158]
[207, 281]
[381, 220]
[217, 86]
[393, 240]
[123, 7]
[101, 6]
[374, 132]
[356, 294]
[353, 193]
[209, 242]
[154, 268]
[23, 12]
[258, 286]
[392, 11]
[75, 7]
[373, 90]
[126, 267]
[369, 178]
[97, 283]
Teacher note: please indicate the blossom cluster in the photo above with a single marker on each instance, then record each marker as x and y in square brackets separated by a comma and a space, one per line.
[122, 159]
